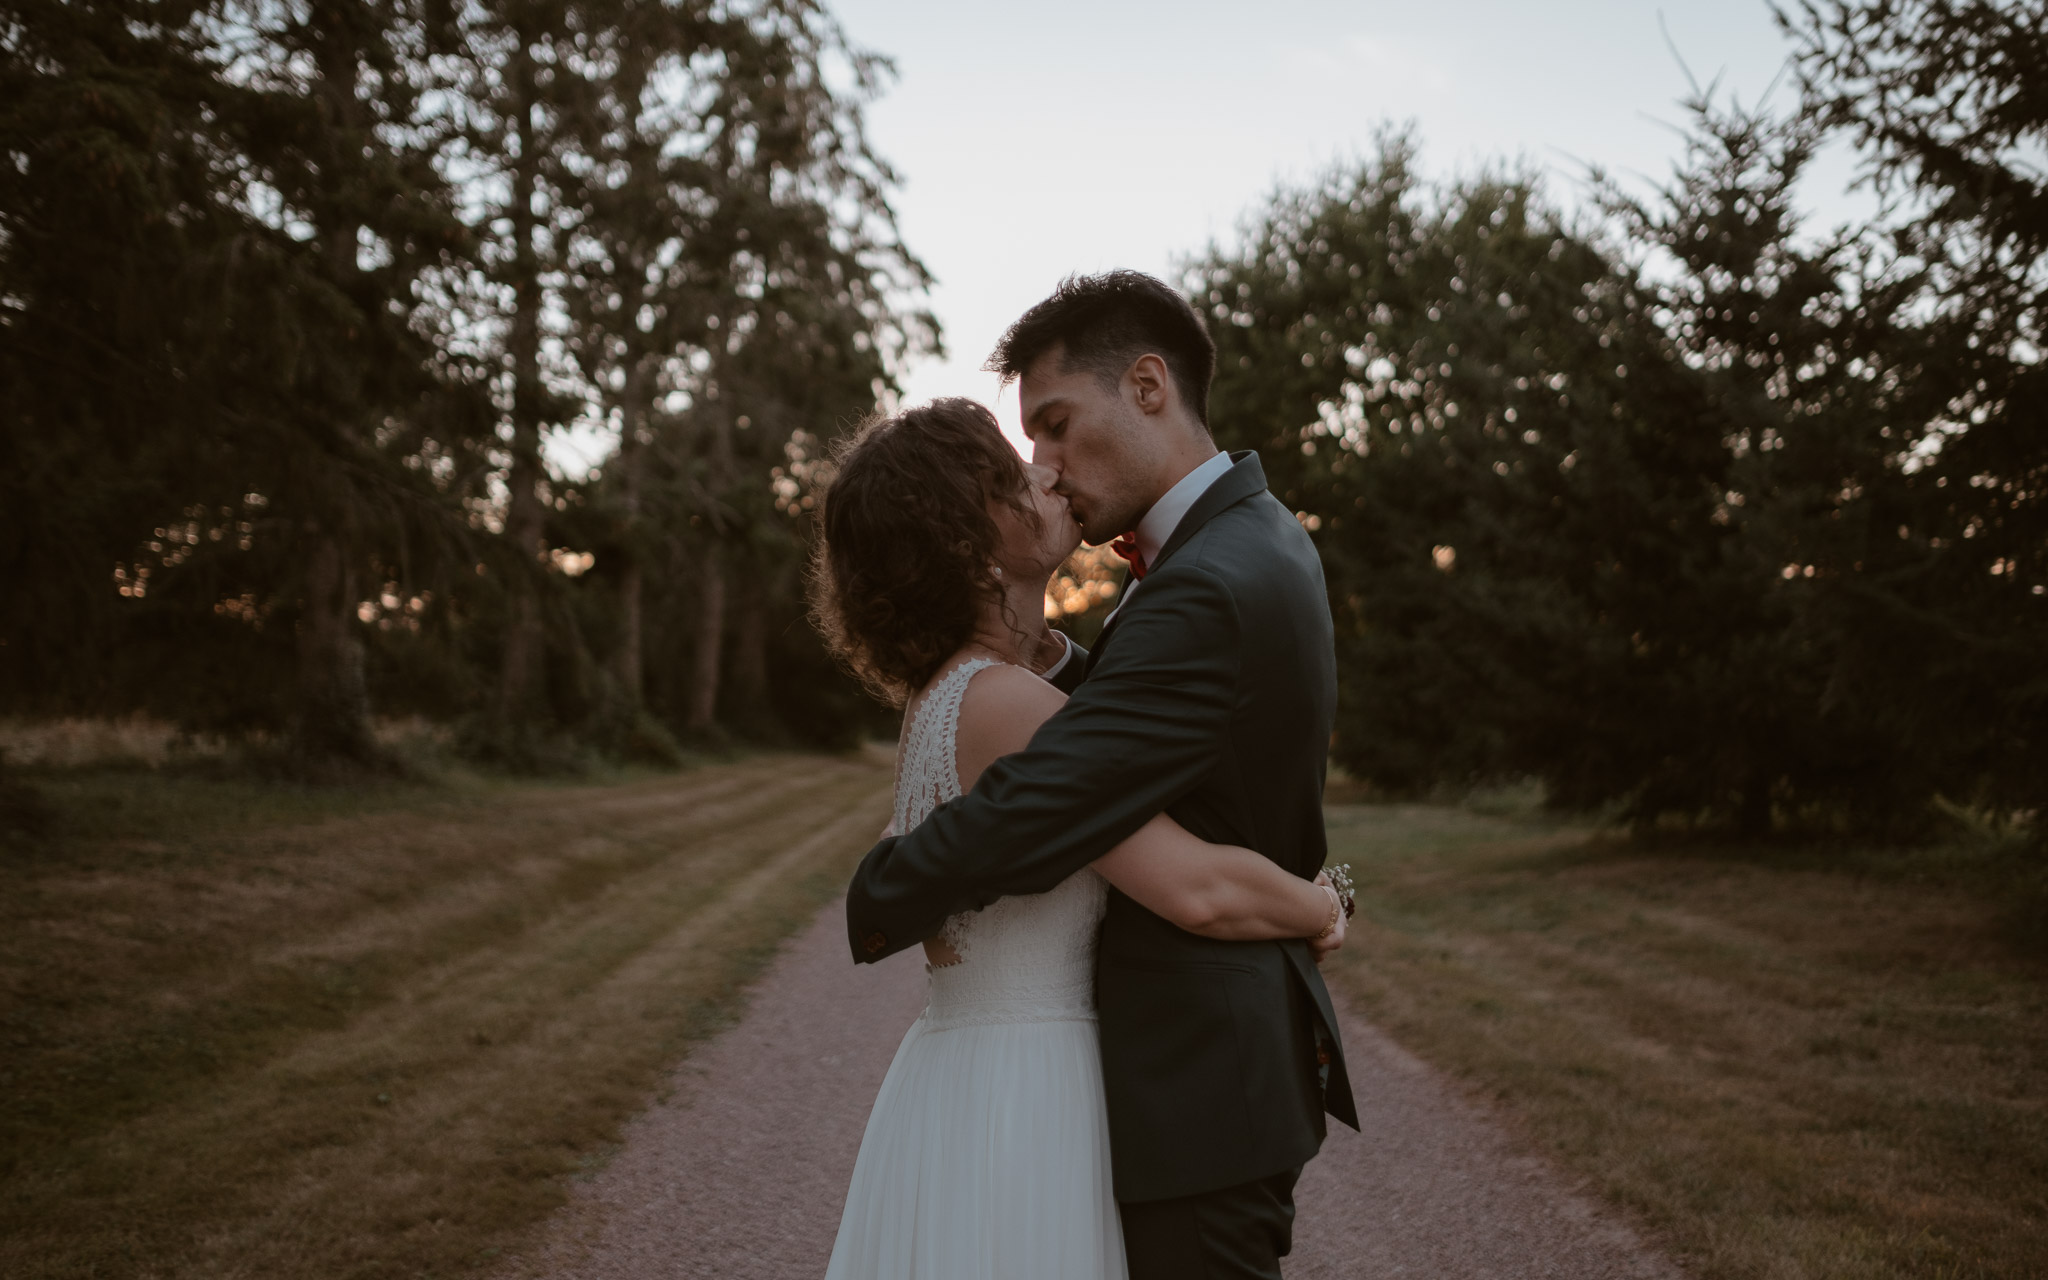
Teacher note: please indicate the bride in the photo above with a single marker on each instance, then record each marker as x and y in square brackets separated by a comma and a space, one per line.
[987, 1154]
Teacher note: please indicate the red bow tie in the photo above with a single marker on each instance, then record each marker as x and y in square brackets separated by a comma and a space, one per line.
[1127, 547]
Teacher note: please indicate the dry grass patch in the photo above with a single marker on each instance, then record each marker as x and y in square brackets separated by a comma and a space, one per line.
[377, 1045]
[1817, 1064]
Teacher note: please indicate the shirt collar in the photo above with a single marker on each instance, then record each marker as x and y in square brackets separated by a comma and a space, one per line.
[1066, 654]
[1166, 514]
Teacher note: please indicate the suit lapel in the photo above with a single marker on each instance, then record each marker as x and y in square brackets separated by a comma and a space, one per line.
[1244, 479]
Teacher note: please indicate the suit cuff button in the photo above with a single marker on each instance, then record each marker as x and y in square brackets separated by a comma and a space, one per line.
[876, 944]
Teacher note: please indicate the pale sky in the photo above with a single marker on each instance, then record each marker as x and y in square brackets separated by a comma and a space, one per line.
[1078, 135]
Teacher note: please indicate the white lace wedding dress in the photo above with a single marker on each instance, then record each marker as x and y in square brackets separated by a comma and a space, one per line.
[987, 1154]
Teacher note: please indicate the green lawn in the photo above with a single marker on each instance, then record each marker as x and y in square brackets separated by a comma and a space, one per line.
[266, 1031]
[1820, 1063]
[269, 1032]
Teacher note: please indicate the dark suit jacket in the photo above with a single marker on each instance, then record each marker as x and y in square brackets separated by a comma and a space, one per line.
[1209, 696]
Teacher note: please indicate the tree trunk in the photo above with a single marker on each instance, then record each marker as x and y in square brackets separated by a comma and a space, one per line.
[712, 417]
[333, 718]
[641, 359]
[703, 710]
[525, 518]
[627, 663]
[1754, 817]
[747, 682]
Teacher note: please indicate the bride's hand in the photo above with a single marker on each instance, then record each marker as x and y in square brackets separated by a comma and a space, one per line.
[1330, 943]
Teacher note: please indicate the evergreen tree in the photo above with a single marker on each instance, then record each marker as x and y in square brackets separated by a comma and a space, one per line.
[294, 295]
[525, 83]
[1567, 503]
[340, 146]
[736, 298]
[1511, 479]
[1815, 367]
[1948, 106]
[261, 262]
[108, 222]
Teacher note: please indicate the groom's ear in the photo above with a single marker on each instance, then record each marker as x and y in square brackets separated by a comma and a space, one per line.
[1149, 384]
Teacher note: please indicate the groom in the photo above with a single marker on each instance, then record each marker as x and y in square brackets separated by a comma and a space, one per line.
[1209, 696]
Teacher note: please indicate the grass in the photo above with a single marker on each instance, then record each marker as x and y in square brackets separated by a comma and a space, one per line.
[1785, 1063]
[75, 743]
[255, 1030]
[263, 1031]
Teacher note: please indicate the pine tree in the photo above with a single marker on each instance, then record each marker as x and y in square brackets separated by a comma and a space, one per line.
[1815, 368]
[266, 359]
[520, 77]
[738, 296]
[352, 264]
[1947, 107]
[337, 153]
[1518, 484]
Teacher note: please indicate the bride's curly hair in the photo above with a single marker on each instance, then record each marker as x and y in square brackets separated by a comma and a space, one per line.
[907, 552]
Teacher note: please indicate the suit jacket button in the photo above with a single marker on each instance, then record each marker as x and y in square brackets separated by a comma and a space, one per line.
[876, 944]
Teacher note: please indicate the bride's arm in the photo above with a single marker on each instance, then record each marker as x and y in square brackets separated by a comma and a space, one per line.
[1218, 891]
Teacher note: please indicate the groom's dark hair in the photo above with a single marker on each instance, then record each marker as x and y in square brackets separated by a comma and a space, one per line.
[1104, 323]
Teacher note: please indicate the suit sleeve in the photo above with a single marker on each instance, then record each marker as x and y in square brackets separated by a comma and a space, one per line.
[1142, 731]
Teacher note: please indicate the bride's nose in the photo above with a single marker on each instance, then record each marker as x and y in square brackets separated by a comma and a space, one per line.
[1040, 476]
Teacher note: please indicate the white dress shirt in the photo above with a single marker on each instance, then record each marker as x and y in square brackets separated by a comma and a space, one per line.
[1066, 656]
[1166, 514]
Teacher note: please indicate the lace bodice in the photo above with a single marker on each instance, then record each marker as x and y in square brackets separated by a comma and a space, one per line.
[1022, 959]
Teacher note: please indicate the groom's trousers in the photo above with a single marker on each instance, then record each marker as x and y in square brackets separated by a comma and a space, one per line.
[1237, 1233]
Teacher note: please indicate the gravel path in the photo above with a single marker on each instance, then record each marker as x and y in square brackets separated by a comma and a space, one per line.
[740, 1172]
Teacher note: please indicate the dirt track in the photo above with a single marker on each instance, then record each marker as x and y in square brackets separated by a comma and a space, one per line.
[740, 1172]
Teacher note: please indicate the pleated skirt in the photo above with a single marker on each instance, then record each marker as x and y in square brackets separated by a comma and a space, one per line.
[986, 1158]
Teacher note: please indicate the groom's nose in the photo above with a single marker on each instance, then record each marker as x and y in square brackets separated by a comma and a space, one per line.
[1041, 475]
[1045, 456]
